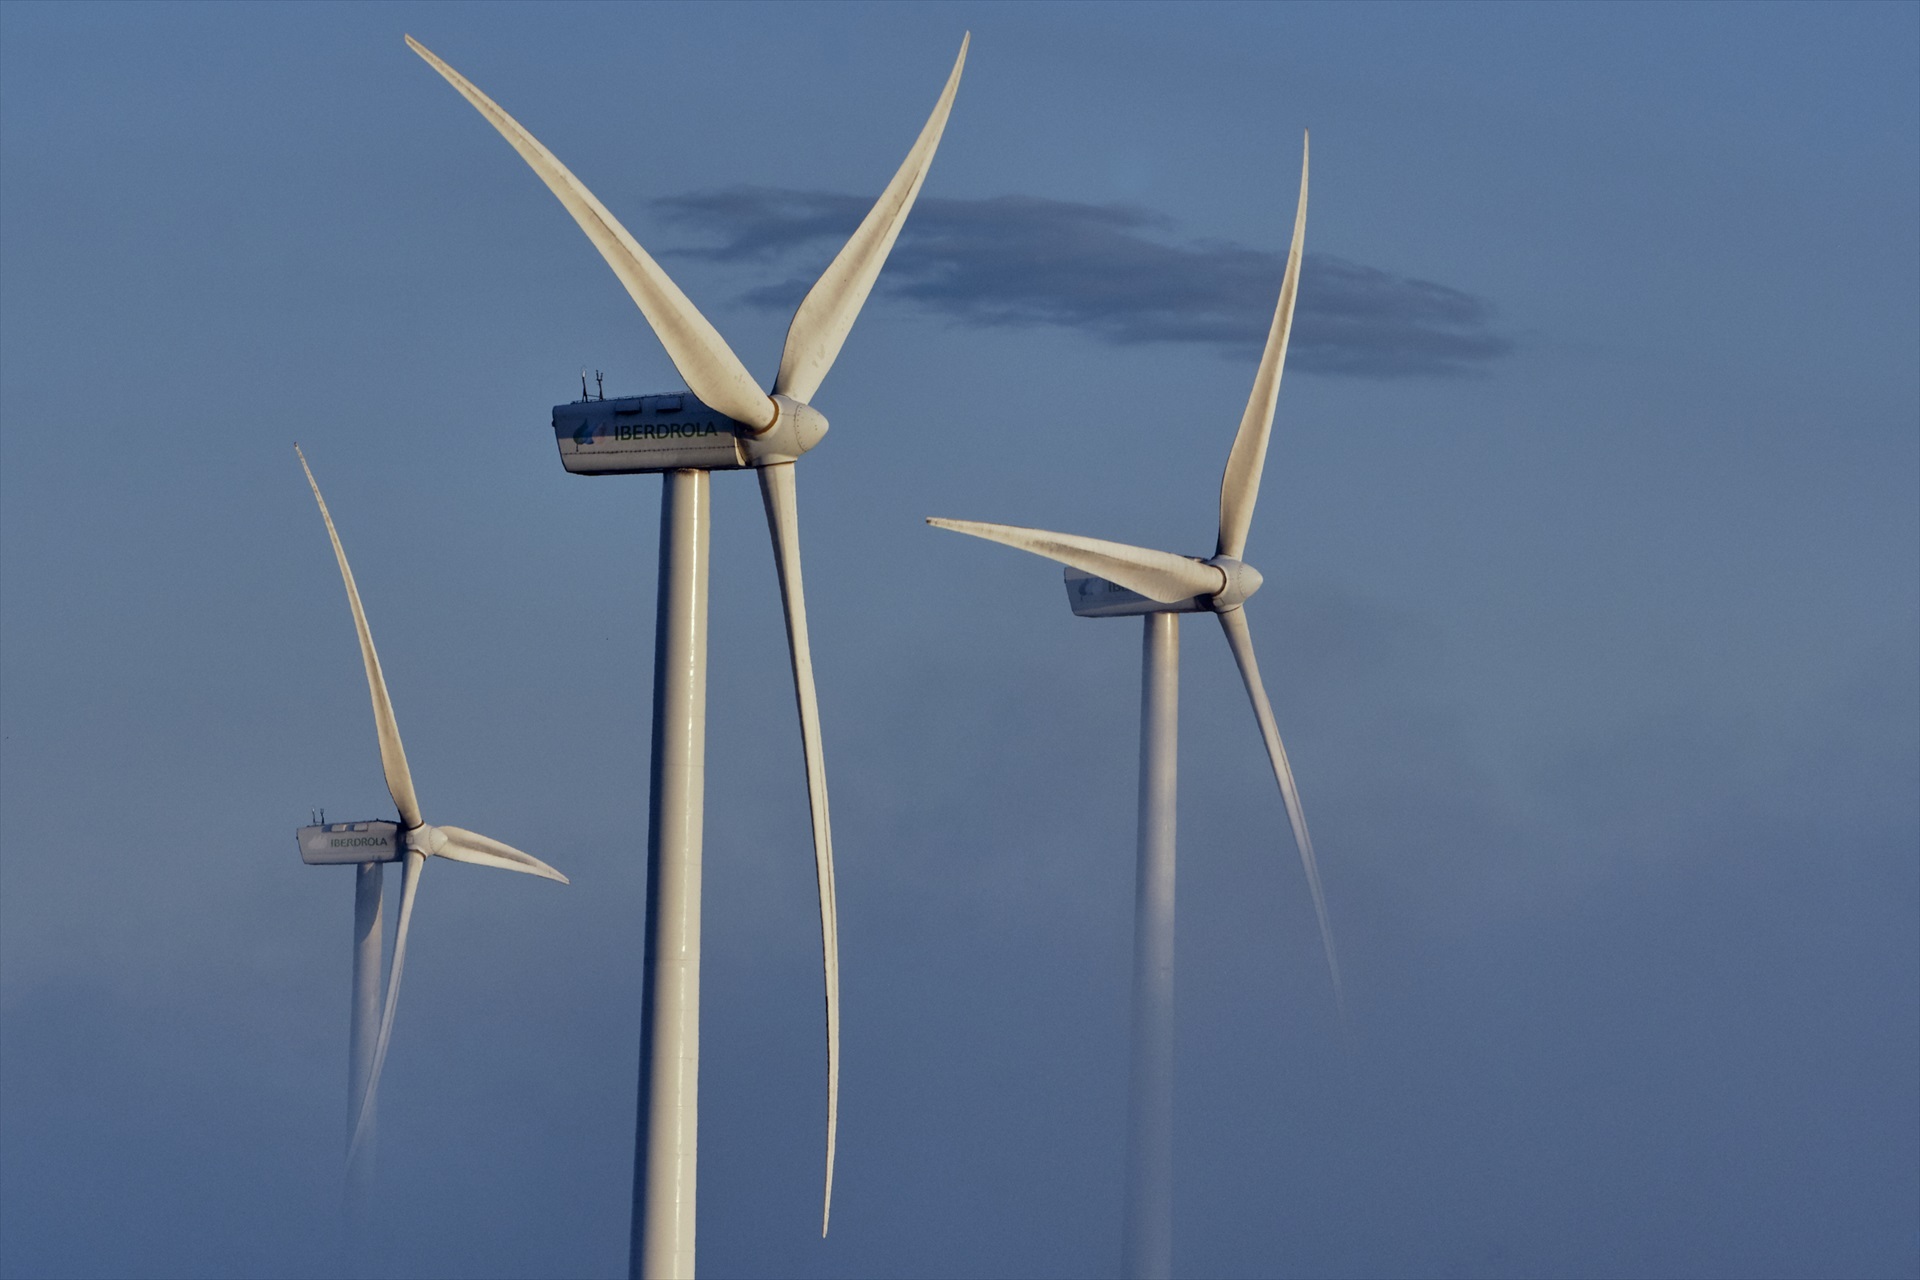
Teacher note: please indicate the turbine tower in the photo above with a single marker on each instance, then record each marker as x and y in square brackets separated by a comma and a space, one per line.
[1109, 579]
[368, 847]
[727, 423]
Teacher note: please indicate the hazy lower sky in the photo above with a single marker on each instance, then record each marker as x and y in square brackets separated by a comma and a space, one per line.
[1591, 534]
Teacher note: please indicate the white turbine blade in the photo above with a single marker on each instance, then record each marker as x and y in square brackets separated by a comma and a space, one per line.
[462, 845]
[1240, 487]
[409, 887]
[783, 522]
[712, 371]
[828, 312]
[393, 757]
[1234, 623]
[1157, 575]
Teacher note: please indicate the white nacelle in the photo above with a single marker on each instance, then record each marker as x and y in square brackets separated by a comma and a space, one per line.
[333, 843]
[1095, 597]
[1092, 596]
[639, 434]
[646, 433]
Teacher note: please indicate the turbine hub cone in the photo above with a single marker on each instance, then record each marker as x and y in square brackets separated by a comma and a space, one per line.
[425, 839]
[796, 428]
[1242, 581]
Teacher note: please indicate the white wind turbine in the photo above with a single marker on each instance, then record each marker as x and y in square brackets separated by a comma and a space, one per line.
[1109, 579]
[728, 423]
[369, 846]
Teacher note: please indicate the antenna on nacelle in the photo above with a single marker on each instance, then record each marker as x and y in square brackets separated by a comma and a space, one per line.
[600, 381]
[583, 382]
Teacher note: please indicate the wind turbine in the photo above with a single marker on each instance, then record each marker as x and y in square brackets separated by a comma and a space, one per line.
[1110, 579]
[368, 846]
[727, 423]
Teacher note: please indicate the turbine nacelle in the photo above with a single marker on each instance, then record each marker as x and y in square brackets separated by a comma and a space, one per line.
[1092, 596]
[337, 843]
[646, 433]
[637, 435]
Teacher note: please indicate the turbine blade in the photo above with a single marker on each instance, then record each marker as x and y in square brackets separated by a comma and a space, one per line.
[783, 522]
[712, 371]
[463, 845]
[393, 757]
[409, 887]
[1240, 639]
[821, 324]
[1157, 575]
[1240, 487]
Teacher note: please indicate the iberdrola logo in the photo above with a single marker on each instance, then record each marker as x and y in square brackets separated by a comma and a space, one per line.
[584, 435]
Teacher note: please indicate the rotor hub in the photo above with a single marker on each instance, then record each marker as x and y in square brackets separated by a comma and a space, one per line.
[1242, 581]
[796, 428]
[425, 839]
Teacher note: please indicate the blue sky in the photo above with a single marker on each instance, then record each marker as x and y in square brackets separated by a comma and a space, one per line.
[1596, 642]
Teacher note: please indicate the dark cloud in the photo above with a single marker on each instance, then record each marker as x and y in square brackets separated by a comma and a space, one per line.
[1116, 272]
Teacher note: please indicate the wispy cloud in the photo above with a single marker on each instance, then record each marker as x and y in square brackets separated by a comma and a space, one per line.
[1118, 273]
